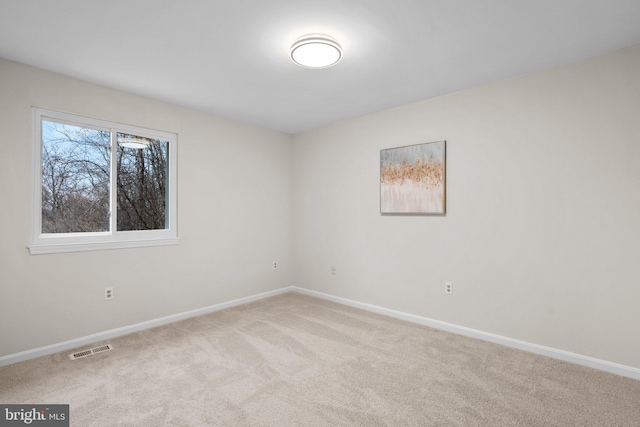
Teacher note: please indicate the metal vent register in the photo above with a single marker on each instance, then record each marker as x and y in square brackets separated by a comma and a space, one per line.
[90, 352]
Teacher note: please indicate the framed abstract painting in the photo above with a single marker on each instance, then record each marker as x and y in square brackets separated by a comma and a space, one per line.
[413, 179]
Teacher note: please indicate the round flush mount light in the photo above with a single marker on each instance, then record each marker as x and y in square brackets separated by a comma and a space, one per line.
[315, 51]
[134, 142]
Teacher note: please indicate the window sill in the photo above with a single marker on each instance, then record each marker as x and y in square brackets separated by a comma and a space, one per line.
[54, 248]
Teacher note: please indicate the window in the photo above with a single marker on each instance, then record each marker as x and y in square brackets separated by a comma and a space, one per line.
[101, 185]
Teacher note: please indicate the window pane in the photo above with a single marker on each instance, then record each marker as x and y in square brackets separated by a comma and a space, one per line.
[142, 183]
[75, 179]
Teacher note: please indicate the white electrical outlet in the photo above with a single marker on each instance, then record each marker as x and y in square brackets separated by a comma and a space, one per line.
[333, 270]
[275, 265]
[448, 288]
[108, 293]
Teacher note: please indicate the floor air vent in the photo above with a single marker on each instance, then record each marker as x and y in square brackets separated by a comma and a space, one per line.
[90, 352]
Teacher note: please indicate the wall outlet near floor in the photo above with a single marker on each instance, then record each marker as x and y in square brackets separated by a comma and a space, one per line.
[108, 293]
[333, 270]
[275, 265]
[448, 288]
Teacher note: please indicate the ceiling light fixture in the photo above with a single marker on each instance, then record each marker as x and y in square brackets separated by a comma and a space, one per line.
[134, 142]
[315, 51]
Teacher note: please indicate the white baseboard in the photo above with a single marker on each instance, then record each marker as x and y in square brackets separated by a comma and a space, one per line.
[578, 359]
[101, 336]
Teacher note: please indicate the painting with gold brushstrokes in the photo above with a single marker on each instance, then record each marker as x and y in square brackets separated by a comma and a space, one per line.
[413, 178]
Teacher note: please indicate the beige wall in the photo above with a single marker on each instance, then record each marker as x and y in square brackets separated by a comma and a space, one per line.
[542, 235]
[235, 214]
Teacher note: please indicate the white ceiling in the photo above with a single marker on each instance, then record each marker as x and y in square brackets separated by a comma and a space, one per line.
[230, 57]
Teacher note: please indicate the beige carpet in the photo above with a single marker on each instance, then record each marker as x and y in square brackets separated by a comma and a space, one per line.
[293, 360]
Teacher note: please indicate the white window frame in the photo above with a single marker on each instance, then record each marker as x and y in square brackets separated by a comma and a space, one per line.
[73, 242]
